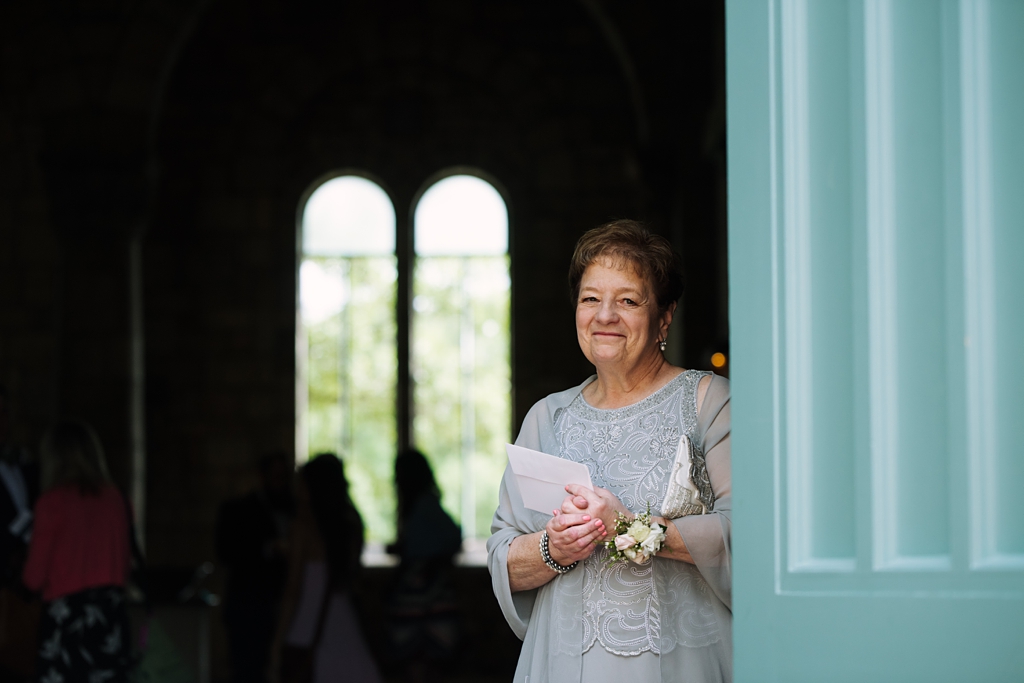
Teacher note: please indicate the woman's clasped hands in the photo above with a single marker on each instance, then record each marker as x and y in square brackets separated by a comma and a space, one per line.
[582, 523]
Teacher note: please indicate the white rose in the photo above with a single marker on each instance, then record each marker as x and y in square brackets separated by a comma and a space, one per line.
[638, 530]
[624, 541]
[651, 544]
[630, 553]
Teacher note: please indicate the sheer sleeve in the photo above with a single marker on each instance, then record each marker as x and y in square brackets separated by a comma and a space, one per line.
[517, 607]
[708, 537]
[510, 520]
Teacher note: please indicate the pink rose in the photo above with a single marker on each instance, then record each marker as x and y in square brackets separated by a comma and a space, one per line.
[624, 541]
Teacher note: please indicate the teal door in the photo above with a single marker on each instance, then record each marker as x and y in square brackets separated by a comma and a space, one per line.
[876, 257]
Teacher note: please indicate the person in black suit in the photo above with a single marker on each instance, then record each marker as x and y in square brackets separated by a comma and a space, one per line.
[19, 488]
[251, 540]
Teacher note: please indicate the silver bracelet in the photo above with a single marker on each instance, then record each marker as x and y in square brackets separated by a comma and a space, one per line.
[546, 556]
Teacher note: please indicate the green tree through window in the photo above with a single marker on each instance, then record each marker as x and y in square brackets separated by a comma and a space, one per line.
[460, 358]
[347, 346]
[461, 344]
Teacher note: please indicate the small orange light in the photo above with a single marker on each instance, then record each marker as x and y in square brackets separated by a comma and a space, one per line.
[718, 360]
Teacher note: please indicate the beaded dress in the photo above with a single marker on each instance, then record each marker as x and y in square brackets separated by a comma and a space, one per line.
[666, 620]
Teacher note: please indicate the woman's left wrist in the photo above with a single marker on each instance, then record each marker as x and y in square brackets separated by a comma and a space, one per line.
[636, 538]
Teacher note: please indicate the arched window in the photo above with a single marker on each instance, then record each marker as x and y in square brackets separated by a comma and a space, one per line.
[459, 384]
[460, 343]
[346, 349]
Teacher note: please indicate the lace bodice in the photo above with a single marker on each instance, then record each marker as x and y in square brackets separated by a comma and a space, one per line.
[630, 452]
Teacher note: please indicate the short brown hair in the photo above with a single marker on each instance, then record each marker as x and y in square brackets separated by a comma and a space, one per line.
[629, 241]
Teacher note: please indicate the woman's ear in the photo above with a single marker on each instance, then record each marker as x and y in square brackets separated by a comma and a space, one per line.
[666, 319]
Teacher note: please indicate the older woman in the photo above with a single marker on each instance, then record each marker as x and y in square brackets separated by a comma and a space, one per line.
[582, 618]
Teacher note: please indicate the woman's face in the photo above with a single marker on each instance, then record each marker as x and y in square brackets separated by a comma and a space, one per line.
[617, 319]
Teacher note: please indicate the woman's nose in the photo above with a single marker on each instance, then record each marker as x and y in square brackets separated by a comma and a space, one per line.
[607, 312]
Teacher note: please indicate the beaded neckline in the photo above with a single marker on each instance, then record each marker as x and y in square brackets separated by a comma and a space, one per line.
[581, 408]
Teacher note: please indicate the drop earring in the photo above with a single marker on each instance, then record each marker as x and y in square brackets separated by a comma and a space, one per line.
[662, 343]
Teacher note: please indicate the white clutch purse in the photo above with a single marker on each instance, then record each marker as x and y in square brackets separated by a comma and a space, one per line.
[689, 488]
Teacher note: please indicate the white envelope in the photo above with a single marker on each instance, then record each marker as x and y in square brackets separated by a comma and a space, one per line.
[542, 478]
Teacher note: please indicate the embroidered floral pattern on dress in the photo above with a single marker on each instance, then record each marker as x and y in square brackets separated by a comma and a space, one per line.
[606, 439]
[663, 444]
[630, 451]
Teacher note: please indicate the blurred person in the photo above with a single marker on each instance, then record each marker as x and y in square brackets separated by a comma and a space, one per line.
[19, 611]
[251, 542]
[19, 488]
[79, 559]
[318, 639]
[423, 619]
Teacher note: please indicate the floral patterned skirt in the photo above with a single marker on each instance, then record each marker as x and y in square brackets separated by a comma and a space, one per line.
[85, 637]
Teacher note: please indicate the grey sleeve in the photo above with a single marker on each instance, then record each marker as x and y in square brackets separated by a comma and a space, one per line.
[517, 607]
[708, 537]
[510, 520]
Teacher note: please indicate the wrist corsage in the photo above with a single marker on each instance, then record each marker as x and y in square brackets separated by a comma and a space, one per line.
[635, 539]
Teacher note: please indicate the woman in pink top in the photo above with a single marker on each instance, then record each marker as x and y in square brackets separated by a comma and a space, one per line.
[79, 559]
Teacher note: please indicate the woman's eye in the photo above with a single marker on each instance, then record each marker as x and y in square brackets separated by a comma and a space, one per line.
[589, 298]
[629, 302]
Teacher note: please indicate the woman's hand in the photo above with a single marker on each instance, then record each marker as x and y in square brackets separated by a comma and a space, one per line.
[604, 505]
[600, 503]
[573, 537]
